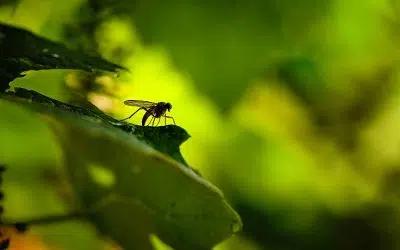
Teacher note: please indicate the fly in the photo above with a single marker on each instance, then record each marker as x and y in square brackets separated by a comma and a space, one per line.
[153, 109]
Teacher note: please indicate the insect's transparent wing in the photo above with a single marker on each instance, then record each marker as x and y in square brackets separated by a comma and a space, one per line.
[139, 103]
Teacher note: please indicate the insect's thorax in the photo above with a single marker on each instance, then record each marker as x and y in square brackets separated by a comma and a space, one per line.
[160, 109]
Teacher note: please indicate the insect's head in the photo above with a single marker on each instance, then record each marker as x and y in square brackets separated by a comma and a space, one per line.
[168, 106]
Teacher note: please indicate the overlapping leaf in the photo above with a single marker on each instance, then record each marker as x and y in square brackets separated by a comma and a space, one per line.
[133, 180]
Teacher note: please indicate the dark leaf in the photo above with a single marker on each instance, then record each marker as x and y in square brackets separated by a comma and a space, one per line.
[21, 50]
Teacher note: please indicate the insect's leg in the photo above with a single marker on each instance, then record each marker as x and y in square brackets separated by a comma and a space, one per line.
[170, 118]
[151, 120]
[131, 115]
[159, 119]
[152, 124]
[165, 120]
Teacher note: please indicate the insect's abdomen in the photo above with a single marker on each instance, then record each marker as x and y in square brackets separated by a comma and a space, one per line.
[146, 115]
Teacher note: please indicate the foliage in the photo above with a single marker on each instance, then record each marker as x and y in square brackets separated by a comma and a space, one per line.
[144, 191]
[292, 109]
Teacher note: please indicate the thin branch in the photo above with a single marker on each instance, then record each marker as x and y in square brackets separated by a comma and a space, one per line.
[46, 220]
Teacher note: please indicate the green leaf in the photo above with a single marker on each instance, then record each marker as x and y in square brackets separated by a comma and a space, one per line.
[21, 50]
[166, 139]
[132, 189]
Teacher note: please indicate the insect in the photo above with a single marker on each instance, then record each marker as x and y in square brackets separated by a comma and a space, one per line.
[156, 110]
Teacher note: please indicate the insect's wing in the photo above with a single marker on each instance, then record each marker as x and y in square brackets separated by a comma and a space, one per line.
[139, 103]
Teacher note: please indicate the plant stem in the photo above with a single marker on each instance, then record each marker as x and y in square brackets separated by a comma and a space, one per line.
[47, 220]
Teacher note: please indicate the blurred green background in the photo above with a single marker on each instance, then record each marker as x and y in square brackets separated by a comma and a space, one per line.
[293, 108]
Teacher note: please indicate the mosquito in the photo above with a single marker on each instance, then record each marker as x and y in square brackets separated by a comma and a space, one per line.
[156, 110]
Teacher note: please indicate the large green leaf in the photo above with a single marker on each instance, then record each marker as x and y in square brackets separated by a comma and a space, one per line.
[166, 139]
[131, 189]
